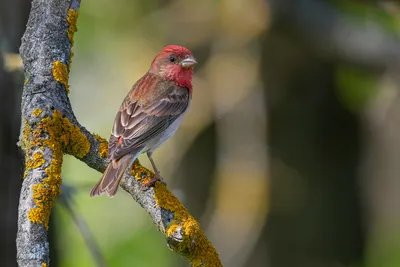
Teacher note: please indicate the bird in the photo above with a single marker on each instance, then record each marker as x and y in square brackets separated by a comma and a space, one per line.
[149, 115]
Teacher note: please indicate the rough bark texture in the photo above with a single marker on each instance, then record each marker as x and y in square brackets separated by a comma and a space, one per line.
[49, 129]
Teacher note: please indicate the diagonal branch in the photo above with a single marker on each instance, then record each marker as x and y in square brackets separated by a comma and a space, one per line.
[50, 129]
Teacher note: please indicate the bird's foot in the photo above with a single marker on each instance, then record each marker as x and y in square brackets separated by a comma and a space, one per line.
[157, 178]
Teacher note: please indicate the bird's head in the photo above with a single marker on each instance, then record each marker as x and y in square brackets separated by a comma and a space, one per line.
[175, 63]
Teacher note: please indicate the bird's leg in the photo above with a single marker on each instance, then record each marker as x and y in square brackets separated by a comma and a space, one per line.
[157, 176]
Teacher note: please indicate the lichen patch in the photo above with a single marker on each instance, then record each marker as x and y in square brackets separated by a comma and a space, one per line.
[103, 146]
[71, 19]
[37, 112]
[195, 245]
[60, 74]
[58, 135]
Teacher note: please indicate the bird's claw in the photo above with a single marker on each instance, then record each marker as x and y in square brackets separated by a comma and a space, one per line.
[157, 178]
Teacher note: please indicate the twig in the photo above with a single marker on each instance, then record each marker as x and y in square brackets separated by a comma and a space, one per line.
[67, 202]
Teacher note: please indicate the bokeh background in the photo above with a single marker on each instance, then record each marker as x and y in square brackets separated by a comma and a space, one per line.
[288, 157]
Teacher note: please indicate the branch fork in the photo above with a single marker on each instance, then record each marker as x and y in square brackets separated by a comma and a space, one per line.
[50, 130]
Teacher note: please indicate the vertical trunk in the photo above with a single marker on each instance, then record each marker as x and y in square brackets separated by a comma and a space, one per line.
[13, 17]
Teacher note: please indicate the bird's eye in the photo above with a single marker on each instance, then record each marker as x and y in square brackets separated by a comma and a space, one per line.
[172, 58]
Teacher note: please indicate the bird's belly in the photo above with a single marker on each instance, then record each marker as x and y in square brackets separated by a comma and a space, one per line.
[164, 136]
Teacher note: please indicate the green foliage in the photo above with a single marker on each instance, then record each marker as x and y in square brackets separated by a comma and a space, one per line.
[384, 247]
[361, 11]
[355, 86]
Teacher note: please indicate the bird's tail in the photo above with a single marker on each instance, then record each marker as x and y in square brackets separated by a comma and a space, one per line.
[112, 176]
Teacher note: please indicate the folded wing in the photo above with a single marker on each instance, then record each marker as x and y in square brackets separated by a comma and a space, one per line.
[136, 122]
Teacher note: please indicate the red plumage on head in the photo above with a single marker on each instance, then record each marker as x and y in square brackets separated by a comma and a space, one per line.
[177, 50]
[172, 71]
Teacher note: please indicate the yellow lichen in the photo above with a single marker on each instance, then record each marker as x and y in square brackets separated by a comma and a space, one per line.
[44, 195]
[195, 245]
[103, 146]
[60, 70]
[60, 74]
[36, 161]
[72, 140]
[72, 18]
[141, 173]
[71, 54]
[37, 112]
[59, 135]
[78, 143]
[44, 264]
[46, 192]
[25, 134]
[27, 77]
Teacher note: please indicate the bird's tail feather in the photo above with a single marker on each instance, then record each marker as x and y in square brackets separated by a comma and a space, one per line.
[112, 176]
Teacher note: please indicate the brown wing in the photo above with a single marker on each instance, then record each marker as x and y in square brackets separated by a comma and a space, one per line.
[138, 122]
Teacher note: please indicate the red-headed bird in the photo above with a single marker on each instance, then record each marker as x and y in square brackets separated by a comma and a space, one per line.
[149, 115]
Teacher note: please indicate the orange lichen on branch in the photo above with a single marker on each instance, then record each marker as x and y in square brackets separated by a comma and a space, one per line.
[60, 74]
[72, 18]
[45, 193]
[195, 245]
[60, 70]
[44, 264]
[25, 134]
[37, 112]
[71, 54]
[69, 136]
[141, 173]
[103, 146]
[27, 76]
[78, 144]
[35, 162]
[59, 135]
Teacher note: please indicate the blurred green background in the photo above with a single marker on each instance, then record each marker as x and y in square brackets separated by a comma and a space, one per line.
[288, 157]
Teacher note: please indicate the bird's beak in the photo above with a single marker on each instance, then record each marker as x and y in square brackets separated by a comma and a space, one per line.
[188, 63]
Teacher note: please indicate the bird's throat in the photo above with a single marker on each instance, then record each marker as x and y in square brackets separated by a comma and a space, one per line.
[181, 77]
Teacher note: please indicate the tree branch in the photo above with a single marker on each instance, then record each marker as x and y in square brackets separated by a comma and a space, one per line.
[50, 129]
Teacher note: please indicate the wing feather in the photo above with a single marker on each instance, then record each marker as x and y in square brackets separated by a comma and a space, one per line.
[138, 122]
